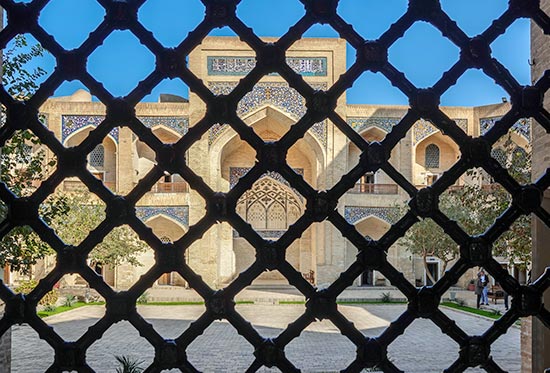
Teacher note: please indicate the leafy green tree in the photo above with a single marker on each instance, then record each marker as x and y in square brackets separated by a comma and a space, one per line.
[84, 214]
[475, 207]
[23, 160]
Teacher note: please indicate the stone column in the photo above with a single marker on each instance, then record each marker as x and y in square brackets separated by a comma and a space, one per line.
[536, 347]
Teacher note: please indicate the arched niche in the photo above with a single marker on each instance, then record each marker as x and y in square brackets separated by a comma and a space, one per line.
[270, 124]
[448, 155]
[106, 172]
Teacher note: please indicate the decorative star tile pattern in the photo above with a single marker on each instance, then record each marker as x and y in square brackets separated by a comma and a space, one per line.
[424, 128]
[279, 95]
[521, 127]
[353, 214]
[178, 213]
[73, 123]
[240, 66]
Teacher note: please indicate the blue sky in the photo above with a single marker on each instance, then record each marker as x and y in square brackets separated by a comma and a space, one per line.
[423, 54]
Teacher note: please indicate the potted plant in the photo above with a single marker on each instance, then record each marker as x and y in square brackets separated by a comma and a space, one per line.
[472, 285]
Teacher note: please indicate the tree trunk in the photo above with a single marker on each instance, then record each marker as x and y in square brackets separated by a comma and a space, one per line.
[428, 273]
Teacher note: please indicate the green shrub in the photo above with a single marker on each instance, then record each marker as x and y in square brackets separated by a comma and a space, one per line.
[50, 299]
[69, 300]
[143, 298]
[128, 365]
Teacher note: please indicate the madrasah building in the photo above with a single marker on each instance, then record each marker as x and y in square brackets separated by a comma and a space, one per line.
[322, 156]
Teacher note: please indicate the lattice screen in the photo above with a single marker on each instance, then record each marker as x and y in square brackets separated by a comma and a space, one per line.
[372, 55]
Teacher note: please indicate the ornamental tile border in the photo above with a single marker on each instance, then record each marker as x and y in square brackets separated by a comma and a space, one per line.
[178, 213]
[359, 124]
[266, 235]
[278, 94]
[72, 123]
[240, 66]
[423, 128]
[521, 127]
[353, 214]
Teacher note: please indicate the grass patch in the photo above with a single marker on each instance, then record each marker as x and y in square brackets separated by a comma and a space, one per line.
[348, 302]
[490, 314]
[62, 309]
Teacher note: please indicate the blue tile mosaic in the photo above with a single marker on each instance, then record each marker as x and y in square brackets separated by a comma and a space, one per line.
[279, 95]
[178, 213]
[424, 128]
[73, 123]
[353, 214]
[521, 127]
[359, 124]
[240, 66]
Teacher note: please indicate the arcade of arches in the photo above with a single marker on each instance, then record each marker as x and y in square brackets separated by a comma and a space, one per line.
[220, 158]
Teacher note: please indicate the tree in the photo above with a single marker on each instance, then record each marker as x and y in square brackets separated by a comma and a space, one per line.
[84, 214]
[23, 160]
[475, 208]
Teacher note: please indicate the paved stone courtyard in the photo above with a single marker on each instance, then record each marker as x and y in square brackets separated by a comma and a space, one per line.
[422, 348]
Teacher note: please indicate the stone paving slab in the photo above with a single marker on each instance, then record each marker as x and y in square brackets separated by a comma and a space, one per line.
[320, 348]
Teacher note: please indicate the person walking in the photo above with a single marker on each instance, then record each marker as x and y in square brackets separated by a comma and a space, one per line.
[484, 282]
[478, 289]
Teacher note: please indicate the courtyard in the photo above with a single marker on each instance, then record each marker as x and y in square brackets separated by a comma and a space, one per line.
[320, 348]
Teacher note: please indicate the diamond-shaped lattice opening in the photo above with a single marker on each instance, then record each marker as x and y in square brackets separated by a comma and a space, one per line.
[121, 258]
[28, 350]
[74, 213]
[320, 71]
[306, 157]
[424, 253]
[513, 150]
[77, 308]
[85, 16]
[259, 17]
[371, 19]
[320, 347]
[26, 163]
[373, 88]
[474, 88]
[133, 63]
[22, 252]
[171, 21]
[223, 70]
[474, 206]
[166, 210]
[170, 308]
[215, 246]
[270, 316]
[236, 157]
[419, 337]
[320, 31]
[26, 64]
[169, 91]
[102, 355]
[271, 205]
[472, 16]
[225, 346]
[438, 56]
[517, 38]
[271, 108]
[433, 153]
